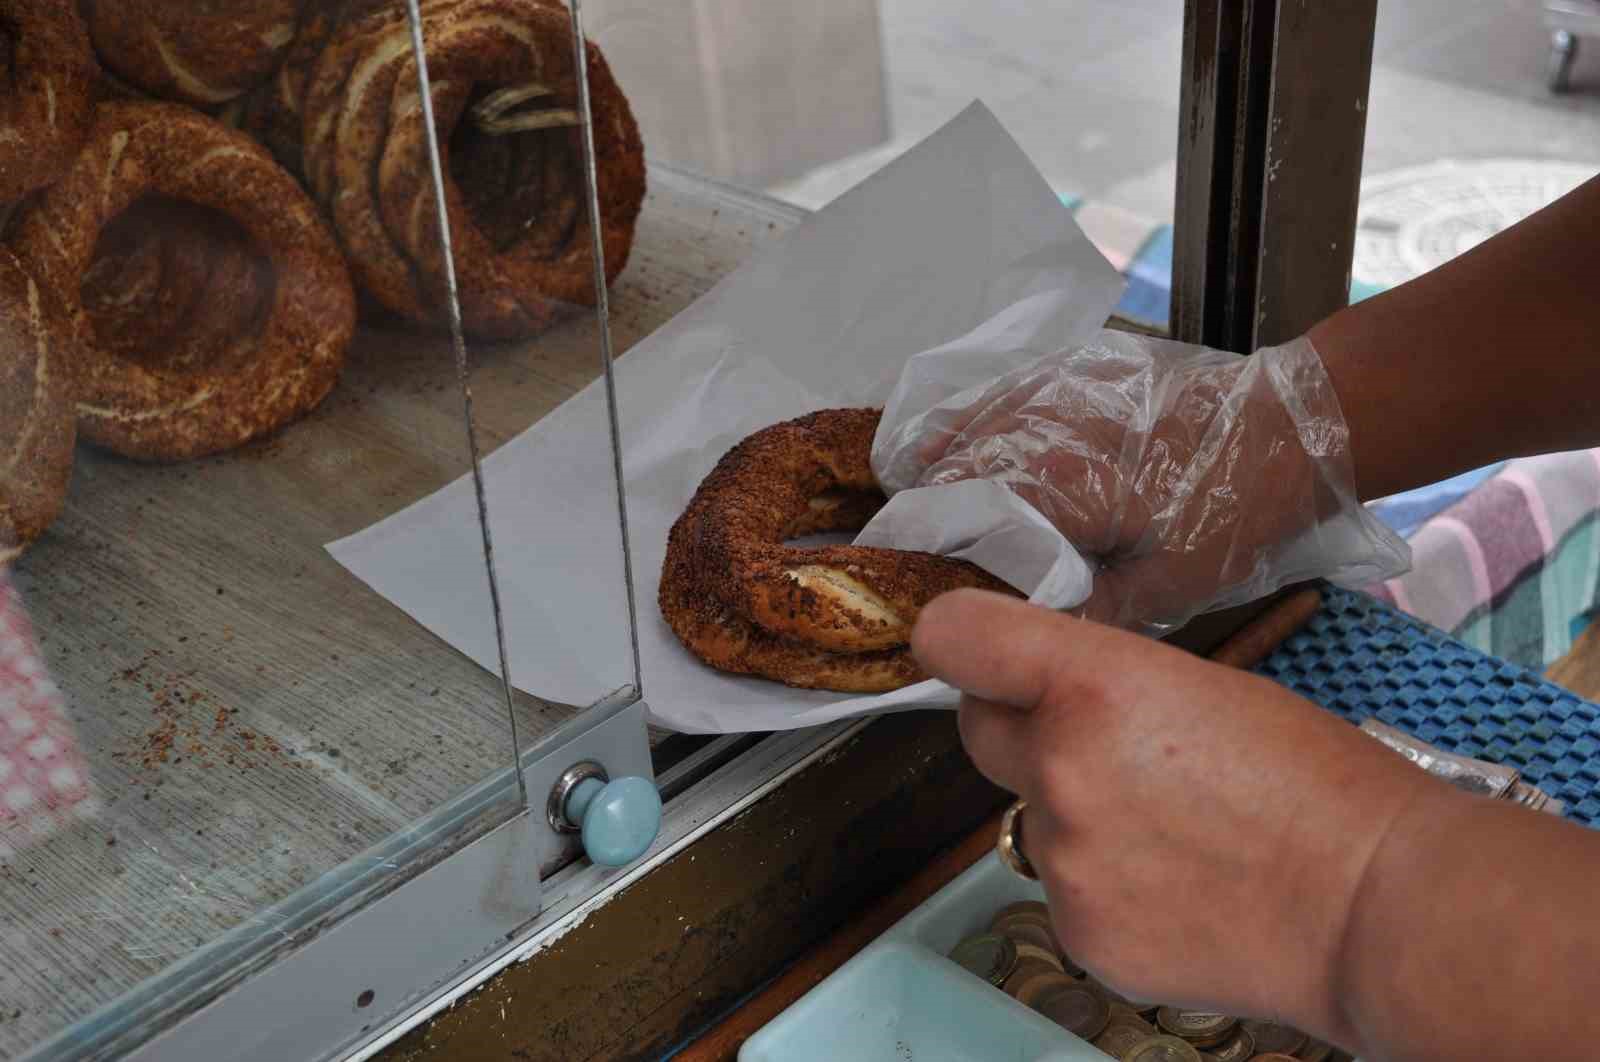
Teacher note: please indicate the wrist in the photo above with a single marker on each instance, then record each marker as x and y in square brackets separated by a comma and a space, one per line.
[1367, 971]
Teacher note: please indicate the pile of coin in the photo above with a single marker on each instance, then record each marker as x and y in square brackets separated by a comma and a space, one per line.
[1019, 955]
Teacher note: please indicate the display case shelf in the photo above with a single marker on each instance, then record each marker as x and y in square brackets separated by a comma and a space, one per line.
[253, 715]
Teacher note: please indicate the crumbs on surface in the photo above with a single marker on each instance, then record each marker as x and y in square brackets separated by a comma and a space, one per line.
[186, 728]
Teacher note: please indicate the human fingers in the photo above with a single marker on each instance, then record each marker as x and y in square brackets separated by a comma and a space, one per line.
[993, 411]
[1000, 742]
[1003, 650]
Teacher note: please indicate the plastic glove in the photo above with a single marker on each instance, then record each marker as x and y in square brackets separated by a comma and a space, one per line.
[1195, 479]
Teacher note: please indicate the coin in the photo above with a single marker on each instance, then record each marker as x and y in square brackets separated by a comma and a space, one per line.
[1077, 1008]
[1025, 969]
[1031, 908]
[1273, 1038]
[1314, 1051]
[1061, 952]
[1026, 931]
[1034, 953]
[1024, 928]
[1037, 987]
[1067, 964]
[988, 956]
[1024, 974]
[1126, 1014]
[1236, 1048]
[1162, 1049]
[1019, 918]
[1120, 1035]
[1199, 1027]
[1026, 916]
[1274, 1056]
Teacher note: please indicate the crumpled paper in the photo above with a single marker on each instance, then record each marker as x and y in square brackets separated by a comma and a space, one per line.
[953, 263]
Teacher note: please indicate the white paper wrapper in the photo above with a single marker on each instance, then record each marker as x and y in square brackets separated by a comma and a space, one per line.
[957, 251]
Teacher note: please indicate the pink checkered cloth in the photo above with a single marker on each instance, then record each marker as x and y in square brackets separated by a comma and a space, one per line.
[44, 780]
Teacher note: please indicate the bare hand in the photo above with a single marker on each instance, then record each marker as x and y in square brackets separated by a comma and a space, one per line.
[1201, 832]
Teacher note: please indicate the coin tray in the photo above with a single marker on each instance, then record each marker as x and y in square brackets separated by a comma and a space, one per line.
[901, 1000]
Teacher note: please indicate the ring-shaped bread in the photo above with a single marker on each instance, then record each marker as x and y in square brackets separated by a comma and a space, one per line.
[273, 112]
[173, 285]
[345, 116]
[743, 600]
[172, 403]
[518, 212]
[515, 200]
[721, 638]
[205, 53]
[48, 72]
[36, 418]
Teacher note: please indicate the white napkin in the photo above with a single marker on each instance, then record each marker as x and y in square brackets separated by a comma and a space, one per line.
[957, 253]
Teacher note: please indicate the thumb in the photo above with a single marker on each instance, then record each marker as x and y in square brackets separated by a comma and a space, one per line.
[1009, 652]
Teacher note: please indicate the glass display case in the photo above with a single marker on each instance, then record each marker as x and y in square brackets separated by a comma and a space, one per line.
[243, 334]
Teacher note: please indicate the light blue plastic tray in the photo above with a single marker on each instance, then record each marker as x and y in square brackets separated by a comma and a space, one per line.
[901, 1000]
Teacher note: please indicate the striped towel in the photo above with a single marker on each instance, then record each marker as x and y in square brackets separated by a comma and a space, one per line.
[1513, 567]
[1406, 513]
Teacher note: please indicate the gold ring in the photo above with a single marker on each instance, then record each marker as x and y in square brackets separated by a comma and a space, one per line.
[1010, 844]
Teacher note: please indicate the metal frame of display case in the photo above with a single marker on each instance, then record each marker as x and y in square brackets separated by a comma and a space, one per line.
[450, 927]
[1273, 118]
[302, 957]
[1269, 158]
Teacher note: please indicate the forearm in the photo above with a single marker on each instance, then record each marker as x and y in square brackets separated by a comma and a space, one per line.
[1493, 355]
[1474, 935]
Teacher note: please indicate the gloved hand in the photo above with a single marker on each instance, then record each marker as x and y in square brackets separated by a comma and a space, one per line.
[1194, 479]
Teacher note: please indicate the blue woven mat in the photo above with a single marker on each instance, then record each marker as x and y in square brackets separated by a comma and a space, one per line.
[1360, 658]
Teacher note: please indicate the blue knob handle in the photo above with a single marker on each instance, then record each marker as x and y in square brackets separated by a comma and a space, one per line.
[620, 818]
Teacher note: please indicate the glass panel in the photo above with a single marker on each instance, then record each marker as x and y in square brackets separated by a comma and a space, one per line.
[245, 701]
[801, 102]
[1478, 117]
[272, 630]
[1473, 123]
[526, 326]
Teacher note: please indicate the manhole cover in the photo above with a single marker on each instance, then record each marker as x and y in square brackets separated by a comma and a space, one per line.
[1414, 219]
